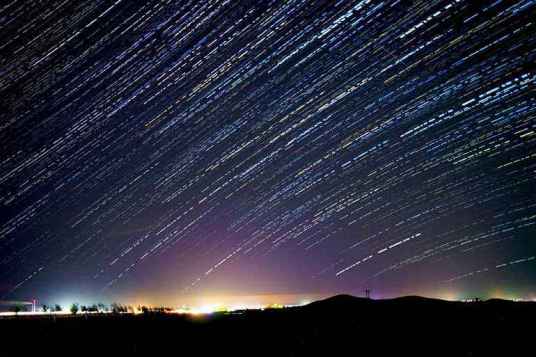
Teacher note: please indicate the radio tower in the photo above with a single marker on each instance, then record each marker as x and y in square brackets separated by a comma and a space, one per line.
[367, 293]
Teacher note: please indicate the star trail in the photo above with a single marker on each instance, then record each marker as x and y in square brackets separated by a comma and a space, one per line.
[244, 147]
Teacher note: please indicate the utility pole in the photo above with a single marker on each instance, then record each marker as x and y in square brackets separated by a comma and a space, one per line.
[367, 293]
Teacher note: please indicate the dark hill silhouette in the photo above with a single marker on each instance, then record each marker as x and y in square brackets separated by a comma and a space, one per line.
[338, 326]
[415, 299]
[339, 302]
[349, 301]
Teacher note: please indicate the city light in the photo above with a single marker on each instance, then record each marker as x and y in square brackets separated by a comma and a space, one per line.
[204, 309]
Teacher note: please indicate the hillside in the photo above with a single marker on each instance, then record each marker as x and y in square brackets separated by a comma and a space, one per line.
[340, 325]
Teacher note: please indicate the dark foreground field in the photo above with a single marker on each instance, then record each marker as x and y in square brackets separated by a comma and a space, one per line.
[341, 325]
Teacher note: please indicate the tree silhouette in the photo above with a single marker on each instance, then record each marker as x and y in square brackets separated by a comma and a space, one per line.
[45, 308]
[57, 308]
[18, 308]
[118, 308]
[74, 308]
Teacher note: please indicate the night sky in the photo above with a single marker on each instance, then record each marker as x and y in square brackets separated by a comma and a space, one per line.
[155, 150]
